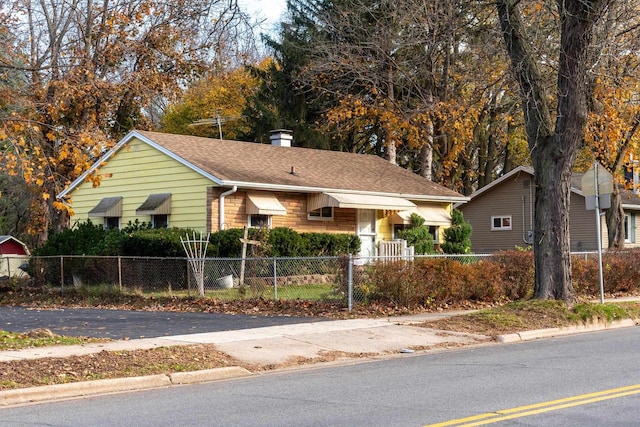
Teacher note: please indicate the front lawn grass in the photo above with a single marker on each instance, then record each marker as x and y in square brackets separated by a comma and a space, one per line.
[310, 292]
[42, 338]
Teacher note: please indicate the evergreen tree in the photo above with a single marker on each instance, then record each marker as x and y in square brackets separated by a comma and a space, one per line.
[457, 238]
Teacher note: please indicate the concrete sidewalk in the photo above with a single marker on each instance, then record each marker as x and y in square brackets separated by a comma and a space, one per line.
[278, 344]
[271, 346]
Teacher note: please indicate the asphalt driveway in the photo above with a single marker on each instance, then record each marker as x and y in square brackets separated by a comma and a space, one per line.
[121, 324]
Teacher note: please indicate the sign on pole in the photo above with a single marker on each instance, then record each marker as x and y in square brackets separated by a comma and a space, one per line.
[597, 186]
[597, 178]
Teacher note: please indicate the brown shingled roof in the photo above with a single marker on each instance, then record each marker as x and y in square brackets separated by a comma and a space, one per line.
[236, 163]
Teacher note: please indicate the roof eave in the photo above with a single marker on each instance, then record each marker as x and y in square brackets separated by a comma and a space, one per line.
[96, 165]
[302, 189]
[249, 185]
[519, 169]
[127, 138]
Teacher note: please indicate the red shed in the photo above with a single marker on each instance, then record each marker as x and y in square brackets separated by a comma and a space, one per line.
[9, 245]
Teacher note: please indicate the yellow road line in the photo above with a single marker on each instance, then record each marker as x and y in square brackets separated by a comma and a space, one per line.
[538, 408]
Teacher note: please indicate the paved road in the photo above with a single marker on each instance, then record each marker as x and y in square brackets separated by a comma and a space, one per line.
[495, 384]
[120, 324]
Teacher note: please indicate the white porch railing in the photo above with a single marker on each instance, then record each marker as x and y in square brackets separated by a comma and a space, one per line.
[395, 249]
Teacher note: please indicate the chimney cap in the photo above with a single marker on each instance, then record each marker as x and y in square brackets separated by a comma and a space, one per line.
[281, 137]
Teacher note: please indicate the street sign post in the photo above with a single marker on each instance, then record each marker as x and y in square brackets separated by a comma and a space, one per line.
[597, 186]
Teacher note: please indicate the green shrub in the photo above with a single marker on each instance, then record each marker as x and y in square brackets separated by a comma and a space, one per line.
[85, 238]
[457, 238]
[89, 239]
[285, 242]
[419, 238]
[137, 239]
[326, 244]
[136, 226]
[226, 243]
[158, 242]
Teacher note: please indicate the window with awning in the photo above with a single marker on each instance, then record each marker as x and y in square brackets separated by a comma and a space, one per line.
[358, 201]
[156, 204]
[107, 207]
[433, 215]
[264, 204]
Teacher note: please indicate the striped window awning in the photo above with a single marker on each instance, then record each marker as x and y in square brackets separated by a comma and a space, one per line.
[264, 204]
[107, 207]
[156, 204]
[433, 215]
[357, 201]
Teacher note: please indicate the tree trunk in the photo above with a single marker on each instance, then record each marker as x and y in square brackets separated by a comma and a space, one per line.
[390, 138]
[614, 217]
[553, 151]
[426, 152]
[551, 244]
[426, 159]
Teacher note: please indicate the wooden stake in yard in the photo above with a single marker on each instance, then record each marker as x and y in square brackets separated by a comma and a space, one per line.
[245, 241]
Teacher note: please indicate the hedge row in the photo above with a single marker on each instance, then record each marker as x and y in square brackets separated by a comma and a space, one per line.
[504, 276]
[139, 240]
[282, 242]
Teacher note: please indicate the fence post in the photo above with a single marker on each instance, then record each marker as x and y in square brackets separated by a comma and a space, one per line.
[188, 278]
[350, 281]
[120, 272]
[275, 280]
[61, 273]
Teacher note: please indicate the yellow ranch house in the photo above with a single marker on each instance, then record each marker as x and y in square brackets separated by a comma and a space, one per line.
[210, 184]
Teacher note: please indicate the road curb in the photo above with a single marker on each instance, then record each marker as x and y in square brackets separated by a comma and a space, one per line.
[115, 385]
[569, 330]
[192, 377]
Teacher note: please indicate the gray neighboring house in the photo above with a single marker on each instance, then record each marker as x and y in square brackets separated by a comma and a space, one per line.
[502, 212]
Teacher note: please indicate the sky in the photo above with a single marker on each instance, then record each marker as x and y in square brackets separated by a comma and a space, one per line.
[271, 10]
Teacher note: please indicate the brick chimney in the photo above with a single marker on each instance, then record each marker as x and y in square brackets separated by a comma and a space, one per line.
[281, 138]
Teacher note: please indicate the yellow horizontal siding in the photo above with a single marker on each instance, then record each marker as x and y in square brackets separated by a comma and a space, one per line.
[138, 170]
[384, 228]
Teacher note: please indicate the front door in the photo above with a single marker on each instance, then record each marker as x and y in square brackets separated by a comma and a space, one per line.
[367, 232]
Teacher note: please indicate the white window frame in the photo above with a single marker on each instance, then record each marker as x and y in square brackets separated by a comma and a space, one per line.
[252, 226]
[321, 216]
[627, 228]
[502, 226]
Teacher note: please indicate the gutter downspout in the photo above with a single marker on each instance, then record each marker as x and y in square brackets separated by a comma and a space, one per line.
[221, 205]
[531, 207]
[525, 233]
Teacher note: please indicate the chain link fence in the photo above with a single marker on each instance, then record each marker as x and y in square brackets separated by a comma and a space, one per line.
[344, 278]
[223, 278]
[347, 279]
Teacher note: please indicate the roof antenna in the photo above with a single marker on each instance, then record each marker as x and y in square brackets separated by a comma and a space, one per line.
[218, 121]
